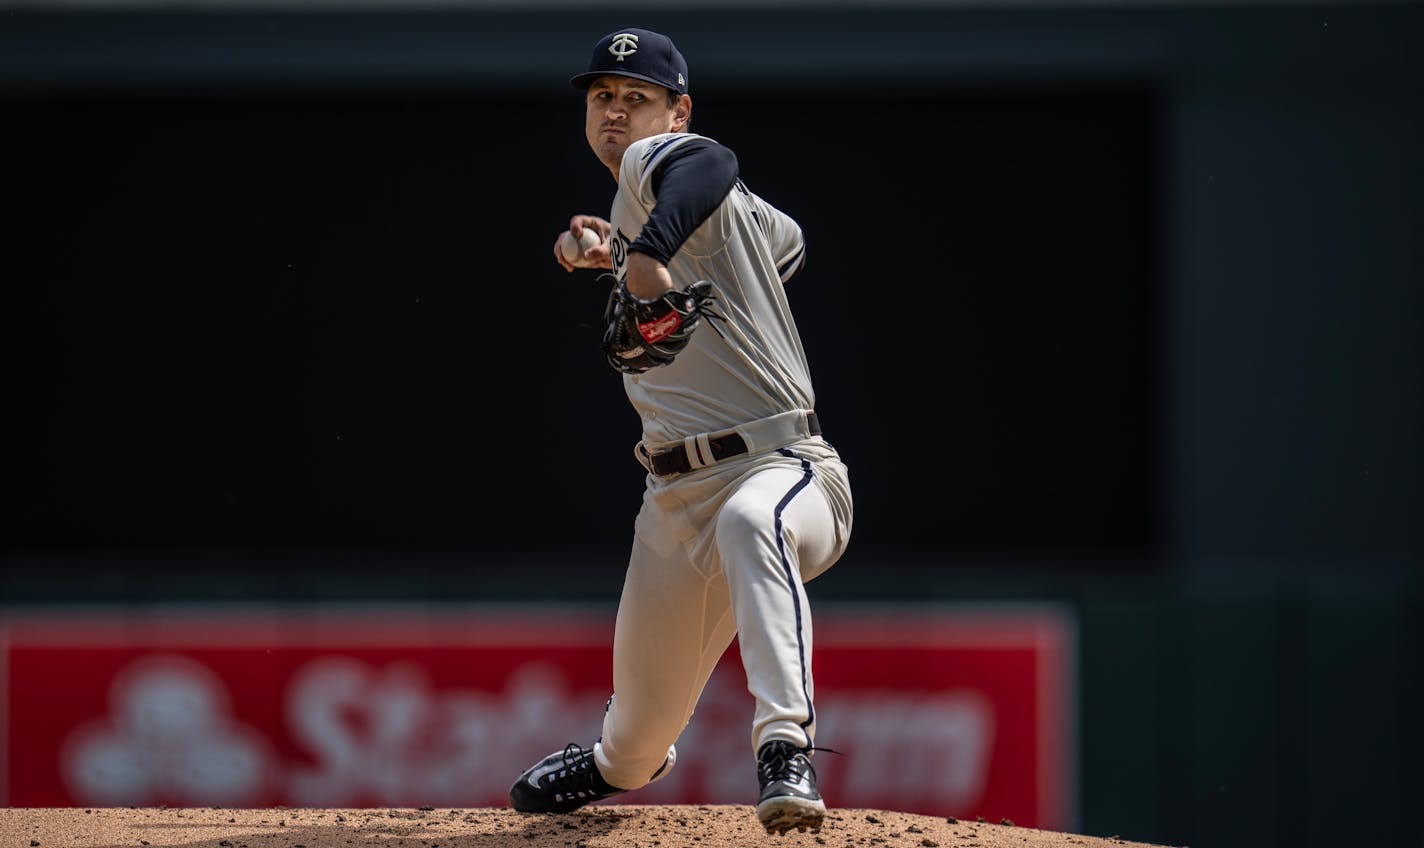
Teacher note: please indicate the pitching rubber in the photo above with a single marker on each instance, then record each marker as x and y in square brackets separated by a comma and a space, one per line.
[779, 815]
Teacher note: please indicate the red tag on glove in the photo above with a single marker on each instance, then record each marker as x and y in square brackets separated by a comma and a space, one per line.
[660, 328]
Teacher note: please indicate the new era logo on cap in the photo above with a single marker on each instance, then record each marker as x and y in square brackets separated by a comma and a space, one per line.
[637, 53]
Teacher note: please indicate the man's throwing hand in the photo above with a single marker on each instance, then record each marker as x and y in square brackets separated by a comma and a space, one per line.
[584, 244]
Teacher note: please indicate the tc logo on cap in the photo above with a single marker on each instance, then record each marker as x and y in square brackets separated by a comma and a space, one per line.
[624, 44]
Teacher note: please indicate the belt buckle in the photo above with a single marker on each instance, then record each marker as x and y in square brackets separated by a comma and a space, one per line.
[654, 461]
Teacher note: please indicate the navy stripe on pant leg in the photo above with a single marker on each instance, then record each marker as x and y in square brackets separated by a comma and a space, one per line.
[792, 579]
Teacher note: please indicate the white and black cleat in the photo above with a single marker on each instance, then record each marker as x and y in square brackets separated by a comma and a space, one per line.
[789, 799]
[568, 779]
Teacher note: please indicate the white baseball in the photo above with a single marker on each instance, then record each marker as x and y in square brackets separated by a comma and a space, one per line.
[573, 248]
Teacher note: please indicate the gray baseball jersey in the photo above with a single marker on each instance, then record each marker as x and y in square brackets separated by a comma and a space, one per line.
[755, 367]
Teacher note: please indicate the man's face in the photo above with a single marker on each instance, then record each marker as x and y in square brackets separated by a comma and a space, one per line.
[622, 110]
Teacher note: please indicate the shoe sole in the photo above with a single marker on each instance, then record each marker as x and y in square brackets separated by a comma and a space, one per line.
[781, 815]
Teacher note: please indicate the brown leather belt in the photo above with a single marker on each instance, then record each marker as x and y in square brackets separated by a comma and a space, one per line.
[676, 461]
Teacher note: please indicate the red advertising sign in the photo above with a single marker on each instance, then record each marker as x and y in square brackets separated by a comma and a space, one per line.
[943, 710]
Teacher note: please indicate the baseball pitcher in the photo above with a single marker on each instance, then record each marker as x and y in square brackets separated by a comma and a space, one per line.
[744, 500]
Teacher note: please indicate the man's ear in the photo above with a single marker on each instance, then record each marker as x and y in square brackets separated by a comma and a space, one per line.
[683, 113]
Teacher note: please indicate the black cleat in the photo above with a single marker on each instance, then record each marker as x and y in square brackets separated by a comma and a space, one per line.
[560, 783]
[789, 799]
[566, 780]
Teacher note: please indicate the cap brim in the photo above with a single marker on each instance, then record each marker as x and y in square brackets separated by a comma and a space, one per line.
[585, 80]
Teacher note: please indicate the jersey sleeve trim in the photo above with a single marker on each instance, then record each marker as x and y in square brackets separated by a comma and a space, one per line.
[788, 267]
[645, 153]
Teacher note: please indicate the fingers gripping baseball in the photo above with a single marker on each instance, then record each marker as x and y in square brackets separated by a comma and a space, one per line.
[574, 248]
[584, 244]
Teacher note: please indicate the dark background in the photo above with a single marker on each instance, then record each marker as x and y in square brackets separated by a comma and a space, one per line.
[1110, 305]
[323, 320]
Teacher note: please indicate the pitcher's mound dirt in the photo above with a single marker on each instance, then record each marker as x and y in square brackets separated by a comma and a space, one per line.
[599, 826]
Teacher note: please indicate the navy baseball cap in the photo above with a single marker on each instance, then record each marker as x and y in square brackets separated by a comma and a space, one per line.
[637, 53]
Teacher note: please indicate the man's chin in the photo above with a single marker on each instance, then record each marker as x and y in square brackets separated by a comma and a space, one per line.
[610, 151]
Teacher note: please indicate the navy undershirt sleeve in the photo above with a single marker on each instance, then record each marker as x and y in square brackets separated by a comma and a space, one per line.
[689, 183]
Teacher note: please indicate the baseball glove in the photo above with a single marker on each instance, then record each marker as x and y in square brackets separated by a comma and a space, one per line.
[643, 334]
